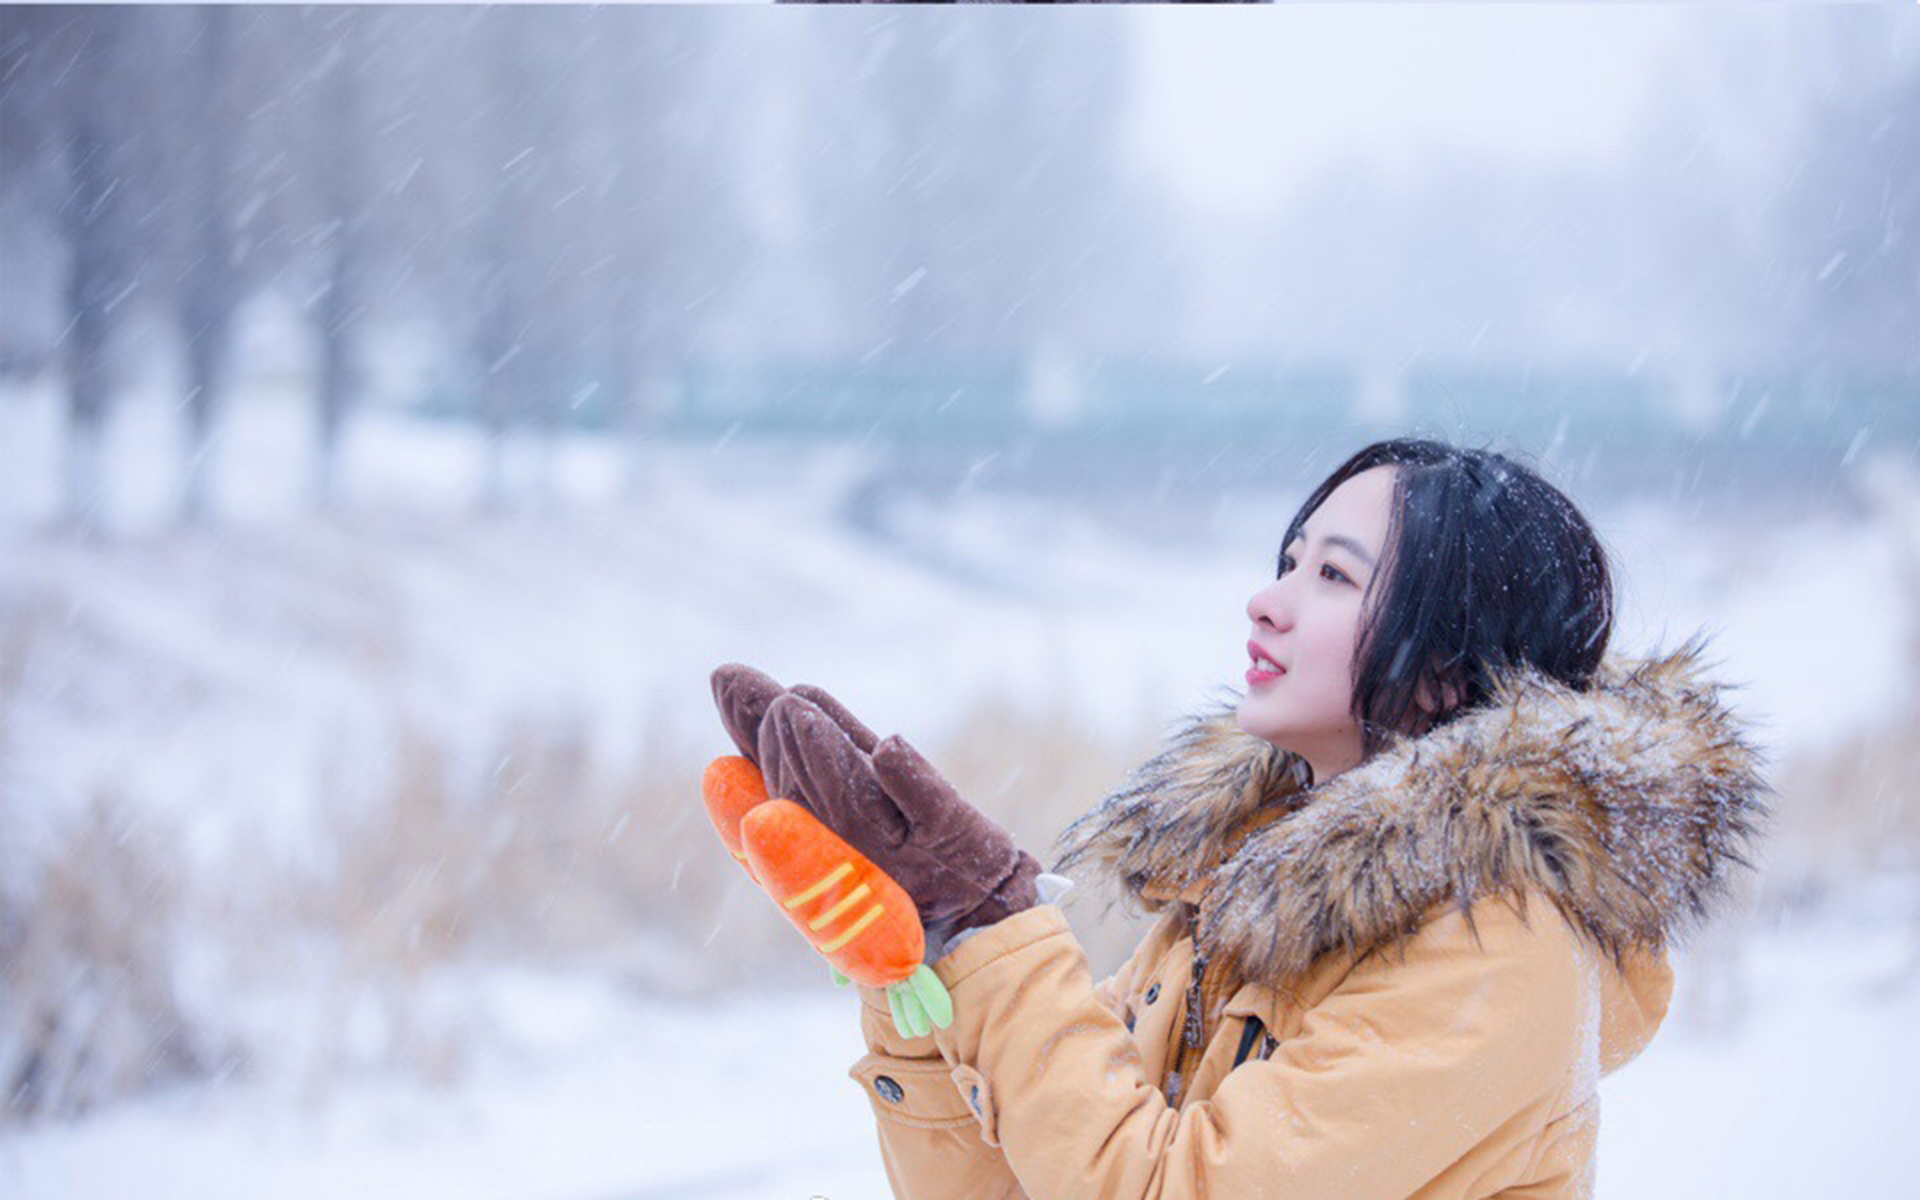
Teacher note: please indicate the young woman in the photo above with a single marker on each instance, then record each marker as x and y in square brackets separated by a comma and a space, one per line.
[1416, 888]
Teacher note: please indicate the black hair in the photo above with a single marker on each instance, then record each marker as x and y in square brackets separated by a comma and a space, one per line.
[1487, 566]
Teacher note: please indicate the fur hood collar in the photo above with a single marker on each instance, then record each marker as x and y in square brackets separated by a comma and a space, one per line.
[1626, 804]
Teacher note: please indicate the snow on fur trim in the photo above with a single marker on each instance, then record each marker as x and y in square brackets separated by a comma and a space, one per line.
[1626, 804]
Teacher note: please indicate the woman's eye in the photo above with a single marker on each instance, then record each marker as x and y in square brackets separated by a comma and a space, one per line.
[1286, 564]
[1337, 575]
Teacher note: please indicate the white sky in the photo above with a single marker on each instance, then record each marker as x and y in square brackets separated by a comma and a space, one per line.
[1235, 104]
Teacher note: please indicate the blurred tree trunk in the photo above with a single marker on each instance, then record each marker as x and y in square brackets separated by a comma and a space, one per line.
[100, 273]
[337, 396]
[211, 282]
[346, 180]
[511, 158]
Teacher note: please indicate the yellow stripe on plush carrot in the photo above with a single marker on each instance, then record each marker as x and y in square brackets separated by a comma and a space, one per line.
[853, 931]
[826, 881]
[854, 897]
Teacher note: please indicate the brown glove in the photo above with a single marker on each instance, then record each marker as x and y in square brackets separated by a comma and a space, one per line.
[962, 869]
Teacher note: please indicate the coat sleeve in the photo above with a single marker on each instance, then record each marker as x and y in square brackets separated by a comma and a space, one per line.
[1406, 1066]
[933, 1142]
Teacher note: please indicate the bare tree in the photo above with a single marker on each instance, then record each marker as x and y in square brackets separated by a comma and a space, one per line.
[73, 94]
[521, 248]
[211, 280]
[342, 157]
[337, 143]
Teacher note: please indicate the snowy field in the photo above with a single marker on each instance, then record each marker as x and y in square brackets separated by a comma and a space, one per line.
[584, 1094]
[228, 682]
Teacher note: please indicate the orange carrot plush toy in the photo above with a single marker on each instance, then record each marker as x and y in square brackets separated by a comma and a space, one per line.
[861, 921]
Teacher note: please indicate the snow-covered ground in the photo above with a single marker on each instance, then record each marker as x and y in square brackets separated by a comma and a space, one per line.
[584, 1094]
[224, 681]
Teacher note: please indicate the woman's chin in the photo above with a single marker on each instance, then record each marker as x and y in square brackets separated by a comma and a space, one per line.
[1249, 718]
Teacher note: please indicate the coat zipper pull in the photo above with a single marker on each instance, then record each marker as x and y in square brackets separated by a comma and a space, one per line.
[1191, 1034]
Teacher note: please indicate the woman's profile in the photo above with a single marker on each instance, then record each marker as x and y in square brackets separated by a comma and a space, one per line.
[1416, 886]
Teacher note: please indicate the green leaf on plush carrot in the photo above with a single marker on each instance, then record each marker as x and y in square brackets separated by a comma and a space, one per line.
[912, 1015]
[934, 999]
[899, 1014]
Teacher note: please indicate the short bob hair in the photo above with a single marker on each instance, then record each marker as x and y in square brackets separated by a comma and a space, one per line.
[1486, 566]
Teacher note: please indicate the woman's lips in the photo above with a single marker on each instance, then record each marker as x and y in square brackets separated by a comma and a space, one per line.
[1263, 669]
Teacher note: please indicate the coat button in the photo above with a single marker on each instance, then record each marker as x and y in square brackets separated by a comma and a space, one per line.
[890, 1091]
[1153, 993]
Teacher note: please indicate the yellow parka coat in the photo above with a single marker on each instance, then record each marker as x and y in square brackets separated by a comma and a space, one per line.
[1406, 982]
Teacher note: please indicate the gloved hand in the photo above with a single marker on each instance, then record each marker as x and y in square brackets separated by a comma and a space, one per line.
[962, 870]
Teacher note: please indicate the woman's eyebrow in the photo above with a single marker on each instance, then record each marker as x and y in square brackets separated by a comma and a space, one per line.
[1341, 540]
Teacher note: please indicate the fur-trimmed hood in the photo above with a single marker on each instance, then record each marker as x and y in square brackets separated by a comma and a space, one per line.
[1626, 804]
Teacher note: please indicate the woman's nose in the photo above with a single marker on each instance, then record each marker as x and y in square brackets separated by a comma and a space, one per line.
[1267, 607]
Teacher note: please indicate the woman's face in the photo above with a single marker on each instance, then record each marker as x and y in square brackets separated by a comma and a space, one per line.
[1308, 622]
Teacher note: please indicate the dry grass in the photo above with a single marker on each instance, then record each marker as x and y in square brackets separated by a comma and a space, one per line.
[1850, 811]
[544, 856]
[88, 917]
[538, 855]
[90, 925]
[550, 856]
[90, 1009]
